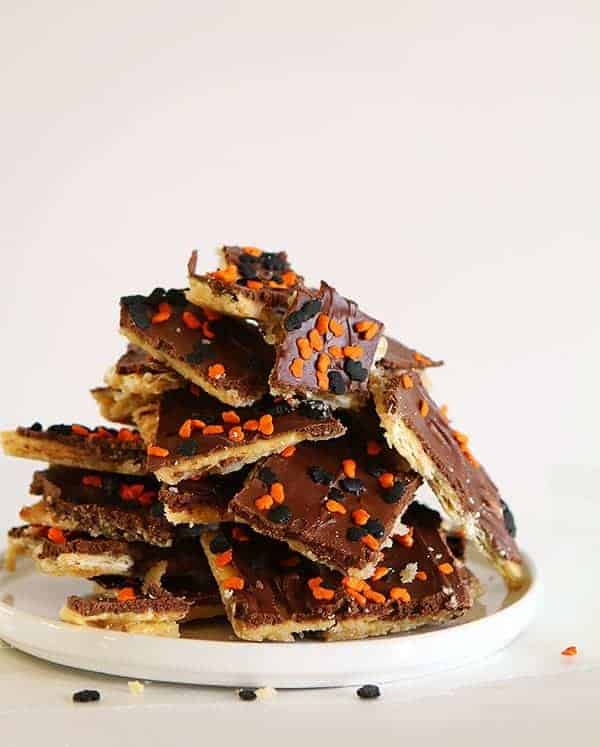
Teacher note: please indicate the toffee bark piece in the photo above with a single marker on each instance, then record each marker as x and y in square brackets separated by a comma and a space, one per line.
[399, 356]
[251, 284]
[191, 434]
[101, 504]
[227, 358]
[264, 587]
[418, 582]
[103, 449]
[417, 429]
[337, 505]
[203, 501]
[326, 349]
[133, 381]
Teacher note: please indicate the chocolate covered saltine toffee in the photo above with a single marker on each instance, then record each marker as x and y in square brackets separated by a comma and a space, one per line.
[266, 589]
[102, 504]
[399, 356]
[420, 431]
[337, 505]
[190, 434]
[326, 349]
[227, 358]
[100, 448]
[250, 284]
[202, 501]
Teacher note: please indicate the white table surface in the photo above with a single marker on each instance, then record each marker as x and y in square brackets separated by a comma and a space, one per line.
[527, 694]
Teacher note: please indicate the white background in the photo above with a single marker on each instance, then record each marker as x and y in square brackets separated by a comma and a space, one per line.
[436, 161]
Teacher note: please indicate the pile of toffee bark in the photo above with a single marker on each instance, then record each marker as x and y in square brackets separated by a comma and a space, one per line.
[270, 444]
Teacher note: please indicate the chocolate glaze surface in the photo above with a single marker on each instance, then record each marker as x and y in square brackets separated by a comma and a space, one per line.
[212, 492]
[138, 361]
[401, 357]
[108, 509]
[98, 604]
[477, 493]
[343, 373]
[236, 345]
[177, 406]
[268, 268]
[314, 475]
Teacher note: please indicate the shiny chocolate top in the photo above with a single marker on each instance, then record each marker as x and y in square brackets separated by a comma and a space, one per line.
[402, 357]
[212, 492]
[138, 361]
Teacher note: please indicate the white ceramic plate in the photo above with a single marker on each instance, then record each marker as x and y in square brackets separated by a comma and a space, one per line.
[209, 655]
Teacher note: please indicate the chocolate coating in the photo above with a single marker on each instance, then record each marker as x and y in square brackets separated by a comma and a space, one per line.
[138, 361]
[213, 492]
[399, 356]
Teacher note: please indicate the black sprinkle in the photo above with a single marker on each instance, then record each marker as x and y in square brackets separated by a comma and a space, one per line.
[314, 409]
[293, 321]
[219, 544]
[247, 694]
[352, 485]
[320, 475]
[267, 476]
[368, 691]
[336, 494]
[355, 533]
[86, 696]
[35, 426]
[175, 297]
[297, 318]
[355, 371]
[279, 409]
[187, 448]
[280, 514]
[509, 519]
[311, 308]
[156, 296]
[157, 509]
[185, 531]
[375, 527]
[247, 269]
[336, 382]
[64, 430]
[138, 310]
[375, 469]
[277, 278]
[393, 494]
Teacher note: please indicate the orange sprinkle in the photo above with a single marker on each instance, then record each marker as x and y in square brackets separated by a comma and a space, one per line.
[207, 331]
[163, 313]
[216, 371]
[323, 362]
[289, 278]
[304, 348]
[315, 339]
[288, 452]
[446, 568]
[320, 593]
[400, 594]
[444, 412]
[265, 425]
[373, 448]
[147, 497]
[569, 651]
[92, 481]
[157, 451]
[424, 408]
[336, 328]
[357, 584]
[186, 429]
[224, 558]
[406, 540]
[380, 573]
[422, 359]
[460, 437]
[250, 425]
[252, 251]
[371, 332]
[349, 467]
[375, 596]
[362, 601]
[125, 435]
[236, 434]
[231, 417]
[126, 594]
[335, 507]
[322, 324]
[234, 582]
[336, 352]
[212, 430]
[323, 381]
[264, 503]
[355, 352]
[227, 275]
[81, 430]
[297, 367]
[190, 320]
[312, 583]
[290, 562]
[363, 325]
[421, 575]
[386, 480]
[210, 314]
[407, 381]
[239, 534]
[57, 535]
[254, 284]
[277, 492]
[199, 424]
[370, 542]
[360, 516]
